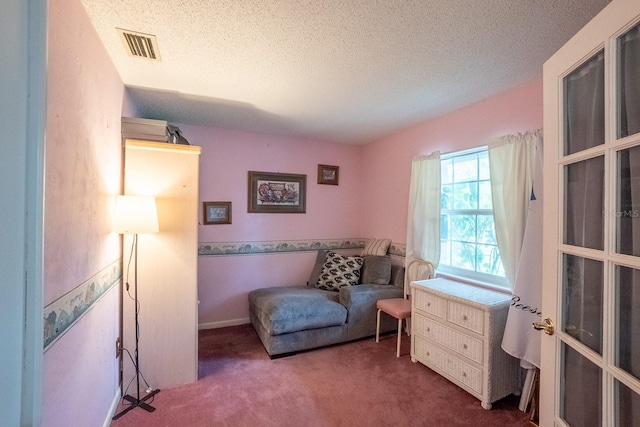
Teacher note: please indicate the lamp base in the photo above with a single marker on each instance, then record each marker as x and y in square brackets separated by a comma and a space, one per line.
[135, 403]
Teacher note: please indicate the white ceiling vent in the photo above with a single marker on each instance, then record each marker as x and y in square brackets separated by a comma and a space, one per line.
[140, 45]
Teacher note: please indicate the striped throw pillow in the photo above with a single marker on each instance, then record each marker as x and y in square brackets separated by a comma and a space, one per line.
[376, 247]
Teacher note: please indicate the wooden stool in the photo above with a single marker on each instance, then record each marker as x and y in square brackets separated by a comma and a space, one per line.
[400, 308]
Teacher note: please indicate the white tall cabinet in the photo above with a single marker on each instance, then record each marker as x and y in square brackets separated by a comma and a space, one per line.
[167, 266]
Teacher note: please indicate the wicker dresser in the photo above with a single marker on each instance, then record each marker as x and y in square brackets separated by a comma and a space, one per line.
[457, 330]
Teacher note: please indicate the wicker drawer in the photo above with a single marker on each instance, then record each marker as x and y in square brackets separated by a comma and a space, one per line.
[431, 304]
[449, 364]
[462, 344]
[467, 317]
[424, 351]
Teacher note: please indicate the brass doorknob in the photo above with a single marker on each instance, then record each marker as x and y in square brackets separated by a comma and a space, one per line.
[546, 326]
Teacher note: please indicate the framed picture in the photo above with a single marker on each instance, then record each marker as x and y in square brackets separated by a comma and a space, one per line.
[217, 212]
[328, 174]
[277, 193]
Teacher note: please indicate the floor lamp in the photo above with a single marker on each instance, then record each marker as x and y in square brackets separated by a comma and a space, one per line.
[136, 215]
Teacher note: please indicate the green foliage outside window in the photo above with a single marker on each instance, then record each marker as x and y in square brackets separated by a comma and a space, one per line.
[467, 231]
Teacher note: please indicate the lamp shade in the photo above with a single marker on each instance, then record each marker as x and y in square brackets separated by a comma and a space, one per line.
[136, 215]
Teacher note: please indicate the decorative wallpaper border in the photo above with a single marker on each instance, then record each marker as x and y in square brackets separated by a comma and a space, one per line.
[398, 249]
[280, 246]
[61, 314]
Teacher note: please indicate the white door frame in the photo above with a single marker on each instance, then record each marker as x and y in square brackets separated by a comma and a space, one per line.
[22, 120]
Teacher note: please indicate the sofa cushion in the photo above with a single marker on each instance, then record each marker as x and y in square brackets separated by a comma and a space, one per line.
[338, 271]
[376, 270]
[281, 310]
[376, 247]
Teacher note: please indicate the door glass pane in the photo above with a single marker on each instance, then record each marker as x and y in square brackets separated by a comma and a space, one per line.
[628, 83]
[628, 410]
[584, 106]
[582, 300]
[628, 320]
[628, 201]
[581, 390]
[584, 203]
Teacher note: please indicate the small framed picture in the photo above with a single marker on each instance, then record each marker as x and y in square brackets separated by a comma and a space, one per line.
[328, 174]
[217, 212]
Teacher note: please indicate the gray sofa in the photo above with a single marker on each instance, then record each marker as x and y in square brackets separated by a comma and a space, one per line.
[292, 319]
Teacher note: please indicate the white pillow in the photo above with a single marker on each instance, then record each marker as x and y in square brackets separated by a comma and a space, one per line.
[376, 247]
[338, 271]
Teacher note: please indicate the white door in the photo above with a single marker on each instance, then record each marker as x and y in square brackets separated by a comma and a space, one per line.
[590, 372]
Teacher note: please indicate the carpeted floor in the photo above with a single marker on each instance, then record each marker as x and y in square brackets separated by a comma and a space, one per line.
[355, 384]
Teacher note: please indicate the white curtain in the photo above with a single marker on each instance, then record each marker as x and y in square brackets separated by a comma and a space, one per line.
[423, 220]
[520, 339]
[511, 162]
[515, 162]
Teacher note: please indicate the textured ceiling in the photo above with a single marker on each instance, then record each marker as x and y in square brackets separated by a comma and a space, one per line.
[339, 70]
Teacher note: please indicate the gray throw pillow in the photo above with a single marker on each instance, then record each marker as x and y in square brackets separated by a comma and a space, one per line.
[321, 257]
[376, 270]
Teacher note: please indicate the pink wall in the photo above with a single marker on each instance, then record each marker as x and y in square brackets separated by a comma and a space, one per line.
[228, 155]
[332, 212]
[371, 200]
[83, 175]
[386, 164]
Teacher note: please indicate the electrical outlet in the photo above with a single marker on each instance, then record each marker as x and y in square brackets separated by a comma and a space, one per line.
[118, 347]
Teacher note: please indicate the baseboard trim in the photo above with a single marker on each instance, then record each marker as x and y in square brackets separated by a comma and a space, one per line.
[112, 409]
[224, 323]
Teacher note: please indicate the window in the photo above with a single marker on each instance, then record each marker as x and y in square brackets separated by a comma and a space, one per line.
[468, 246]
